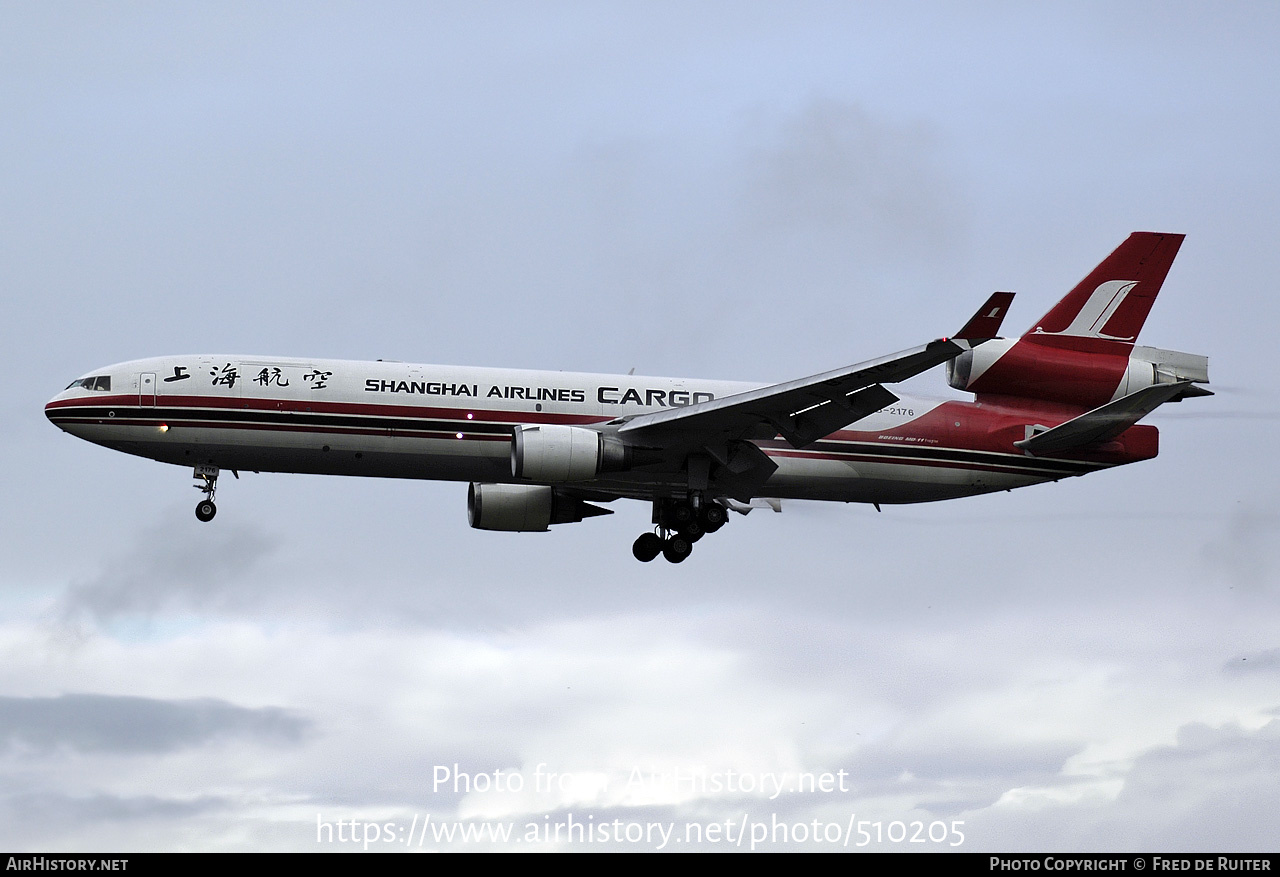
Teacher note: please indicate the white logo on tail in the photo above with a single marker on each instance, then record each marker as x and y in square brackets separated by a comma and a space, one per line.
[1100, 308]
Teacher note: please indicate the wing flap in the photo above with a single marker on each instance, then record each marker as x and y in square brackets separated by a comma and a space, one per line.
[806, 427]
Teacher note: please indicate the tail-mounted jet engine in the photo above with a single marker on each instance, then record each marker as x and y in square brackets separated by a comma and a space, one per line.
[1016, 367]
[524, 508]
[553, 453]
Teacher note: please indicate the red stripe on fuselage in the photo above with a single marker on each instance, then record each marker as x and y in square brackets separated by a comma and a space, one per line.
[368, 409]
[990, 425]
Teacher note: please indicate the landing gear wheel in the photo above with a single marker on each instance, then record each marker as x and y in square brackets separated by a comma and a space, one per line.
[713, 517]
[693, 532]
[647, 547]
[678, 547]
[206, 510]
[682, 515]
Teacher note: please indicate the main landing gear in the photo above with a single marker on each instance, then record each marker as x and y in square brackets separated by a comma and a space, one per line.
[680, 523]
[206, 481]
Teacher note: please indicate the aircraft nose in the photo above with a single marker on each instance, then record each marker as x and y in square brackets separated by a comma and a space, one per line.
[51, 408]
[56, 410]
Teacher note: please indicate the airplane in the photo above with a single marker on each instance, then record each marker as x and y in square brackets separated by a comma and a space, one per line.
[541, 448]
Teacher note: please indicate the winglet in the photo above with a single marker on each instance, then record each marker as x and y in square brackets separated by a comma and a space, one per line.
[985, 324]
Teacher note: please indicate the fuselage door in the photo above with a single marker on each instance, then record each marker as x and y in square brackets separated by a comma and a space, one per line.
[147, 390]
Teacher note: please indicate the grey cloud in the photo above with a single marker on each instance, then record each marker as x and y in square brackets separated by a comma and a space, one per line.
[1244, 554]
[135, 725]
[1215, 788]
[1221, 757]
[1266, 661]
[172, 565]
[45, 810]
[35, 820]
[836, 167]
[948, 760]
[946, 777]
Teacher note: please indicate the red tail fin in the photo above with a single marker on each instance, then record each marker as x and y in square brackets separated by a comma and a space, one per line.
[1079, 352]
[1106, 310]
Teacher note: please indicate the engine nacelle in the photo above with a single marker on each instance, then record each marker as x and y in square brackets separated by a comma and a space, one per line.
[1046, 371]
[963, 369]
[553, 453]
[524, 508]
[1149, 366]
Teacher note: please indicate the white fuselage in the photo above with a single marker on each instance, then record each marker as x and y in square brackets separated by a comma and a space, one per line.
[392, 419]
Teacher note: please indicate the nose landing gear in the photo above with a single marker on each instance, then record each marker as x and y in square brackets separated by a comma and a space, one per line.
[206, 481]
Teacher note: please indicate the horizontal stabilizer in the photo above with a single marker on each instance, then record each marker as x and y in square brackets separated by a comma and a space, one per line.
[985, 324]
[1106, 422]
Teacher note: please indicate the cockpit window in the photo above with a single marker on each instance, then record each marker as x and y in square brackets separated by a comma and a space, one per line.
[97, 382]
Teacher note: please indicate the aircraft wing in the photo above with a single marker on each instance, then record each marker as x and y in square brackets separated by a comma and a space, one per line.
[802, 411]
[805, 410]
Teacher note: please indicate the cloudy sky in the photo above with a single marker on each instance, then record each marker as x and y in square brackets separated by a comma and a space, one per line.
[724, 190]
